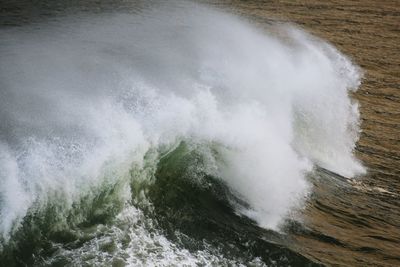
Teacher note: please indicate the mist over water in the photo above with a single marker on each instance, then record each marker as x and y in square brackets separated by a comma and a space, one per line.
[85, 100]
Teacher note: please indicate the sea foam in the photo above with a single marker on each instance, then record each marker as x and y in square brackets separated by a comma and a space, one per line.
[84, 98]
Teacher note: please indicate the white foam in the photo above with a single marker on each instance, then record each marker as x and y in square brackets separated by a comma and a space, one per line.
[83, 99]
[135, 241]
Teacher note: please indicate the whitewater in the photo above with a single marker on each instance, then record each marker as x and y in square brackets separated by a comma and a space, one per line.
[90, 105]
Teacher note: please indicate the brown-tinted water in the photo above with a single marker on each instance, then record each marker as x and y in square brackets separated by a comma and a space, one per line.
[354, 222]
[346, 222]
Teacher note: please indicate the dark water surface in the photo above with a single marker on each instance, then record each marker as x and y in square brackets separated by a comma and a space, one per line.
[347, 222]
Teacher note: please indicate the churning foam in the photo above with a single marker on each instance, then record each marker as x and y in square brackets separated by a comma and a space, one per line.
[81, 100]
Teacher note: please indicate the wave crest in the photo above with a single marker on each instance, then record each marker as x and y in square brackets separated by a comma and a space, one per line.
[84, 99]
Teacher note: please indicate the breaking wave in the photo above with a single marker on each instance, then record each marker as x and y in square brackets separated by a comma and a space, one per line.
[102, 115]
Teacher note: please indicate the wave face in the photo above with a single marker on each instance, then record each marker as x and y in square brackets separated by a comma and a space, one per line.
[90, 106]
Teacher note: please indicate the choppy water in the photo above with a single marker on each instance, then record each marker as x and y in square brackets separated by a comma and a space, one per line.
[153, 133]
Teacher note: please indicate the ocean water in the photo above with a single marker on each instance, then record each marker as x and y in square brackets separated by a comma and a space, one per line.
[168, 134]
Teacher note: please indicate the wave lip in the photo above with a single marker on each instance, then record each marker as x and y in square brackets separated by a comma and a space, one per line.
[85, 99]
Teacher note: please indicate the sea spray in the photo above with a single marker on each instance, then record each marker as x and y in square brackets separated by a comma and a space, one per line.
[85, 98]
